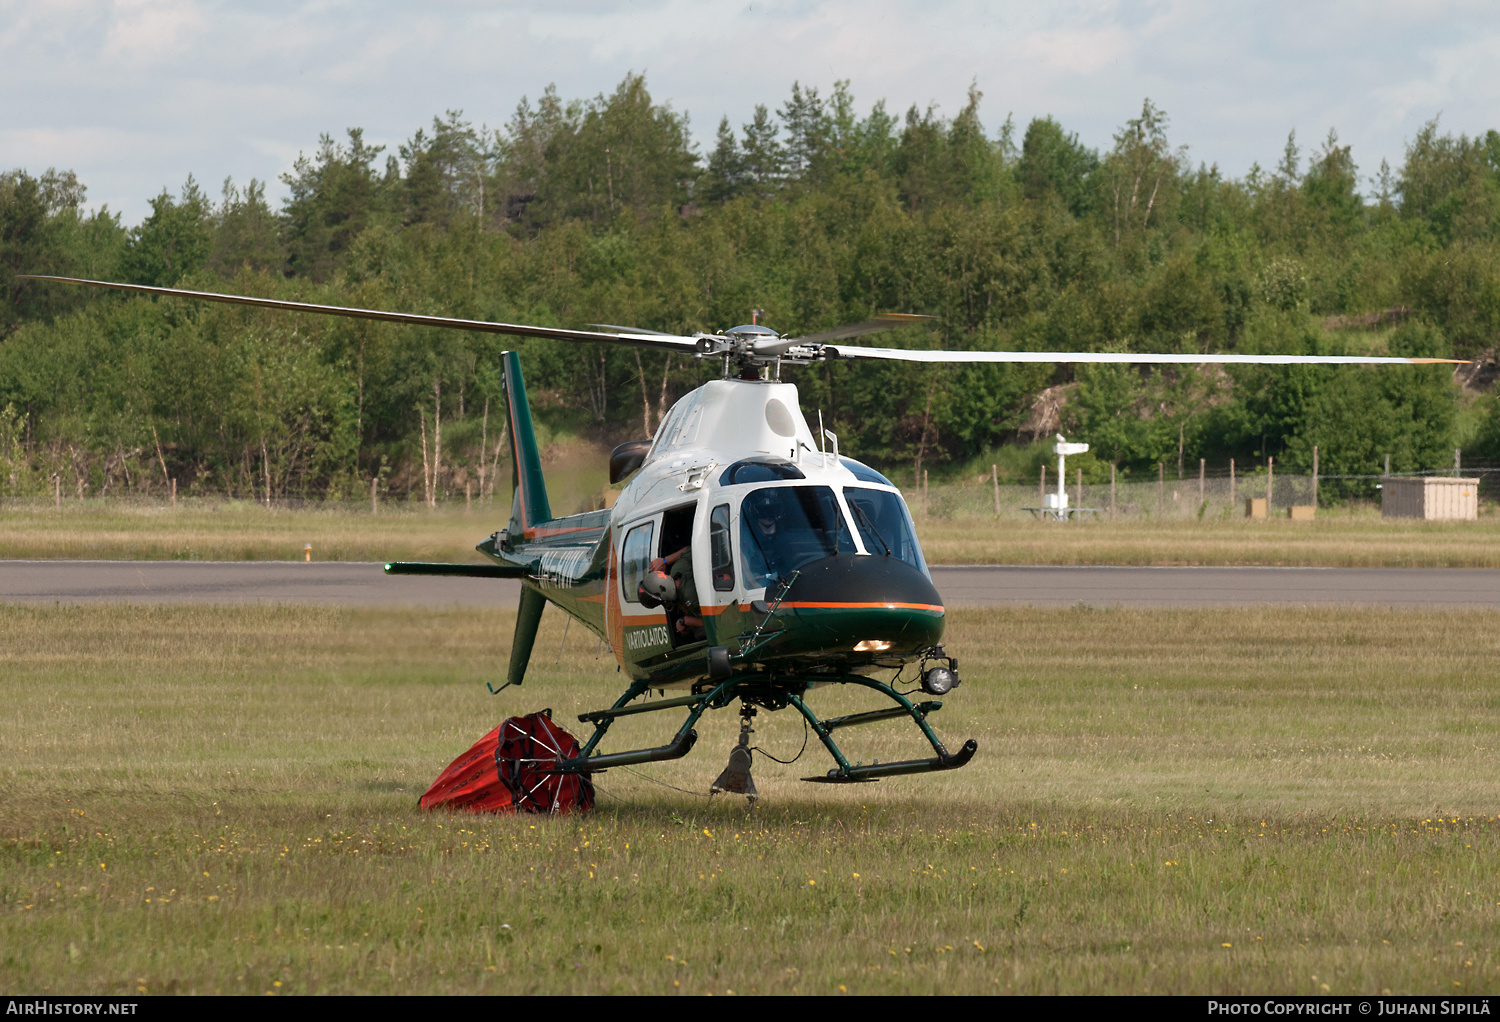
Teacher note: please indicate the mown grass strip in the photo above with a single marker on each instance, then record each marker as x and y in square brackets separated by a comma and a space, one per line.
[205, 800]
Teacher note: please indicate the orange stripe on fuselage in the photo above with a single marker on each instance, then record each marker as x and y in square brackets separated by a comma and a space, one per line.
[936, 608]
[549, 533]
[636, 620]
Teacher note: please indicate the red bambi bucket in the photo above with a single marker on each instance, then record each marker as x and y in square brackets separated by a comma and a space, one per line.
[511, 768]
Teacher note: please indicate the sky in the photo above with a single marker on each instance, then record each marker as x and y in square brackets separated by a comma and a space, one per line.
[135, 95]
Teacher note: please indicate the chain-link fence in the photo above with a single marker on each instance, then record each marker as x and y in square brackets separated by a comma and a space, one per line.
[1167, 498]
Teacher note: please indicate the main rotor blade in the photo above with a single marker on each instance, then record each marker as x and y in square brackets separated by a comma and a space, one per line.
[1126, 357]
[666, 342]
[884, 321]
[631, 330]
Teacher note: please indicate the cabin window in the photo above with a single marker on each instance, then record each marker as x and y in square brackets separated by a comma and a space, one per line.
[719, 548]
[884, 525]
[785, 527]
[635, 558]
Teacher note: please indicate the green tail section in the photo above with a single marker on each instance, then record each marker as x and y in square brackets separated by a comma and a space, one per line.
[530, 506]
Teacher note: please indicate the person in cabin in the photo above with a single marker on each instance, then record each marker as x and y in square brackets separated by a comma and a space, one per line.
[679, 564]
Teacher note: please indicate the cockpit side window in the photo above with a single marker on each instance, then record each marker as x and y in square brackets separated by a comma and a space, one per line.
[785, 527]
[720, 550]
[635, 559]
[884, 525]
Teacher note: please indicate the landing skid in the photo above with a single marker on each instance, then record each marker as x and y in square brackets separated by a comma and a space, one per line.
[772, 694]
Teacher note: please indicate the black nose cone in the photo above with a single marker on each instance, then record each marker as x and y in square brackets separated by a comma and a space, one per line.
[855, 581]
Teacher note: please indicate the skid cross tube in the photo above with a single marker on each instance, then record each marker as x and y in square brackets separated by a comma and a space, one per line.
[855, 719]
[680, 745]
[596, 716]
[846, 773]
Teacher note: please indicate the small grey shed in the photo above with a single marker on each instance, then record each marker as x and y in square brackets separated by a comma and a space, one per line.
[1434, 498]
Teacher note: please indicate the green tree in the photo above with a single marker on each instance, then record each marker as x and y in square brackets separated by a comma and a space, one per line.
[173, 241]
[1452, 184]
[1054, 162]
[726, 167]
[333, 197]
[1138, 187]
[808, 130]
[43, 229]
[764, 158]
[622, 154]
[1356, 415]
[246, 233]
[446, 173]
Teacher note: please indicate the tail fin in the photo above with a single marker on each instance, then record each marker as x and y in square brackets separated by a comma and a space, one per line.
[530, 506]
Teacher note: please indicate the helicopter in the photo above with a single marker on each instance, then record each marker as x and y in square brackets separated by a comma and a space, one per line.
[746, 560]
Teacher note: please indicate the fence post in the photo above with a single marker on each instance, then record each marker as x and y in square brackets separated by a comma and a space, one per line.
[1202, 469]
[1161, 486]
[924, 493]
[1457, 460]
[1041, 488]
[1270, 481]
[1387, 464]
[1080, 489]
[1111, 491]
[57, 484]
[1231, 486]
[995, 479]
[1315, 475]
[374, 495]
[174, 494]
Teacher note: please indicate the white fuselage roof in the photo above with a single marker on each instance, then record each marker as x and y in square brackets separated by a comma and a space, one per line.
[722, 422]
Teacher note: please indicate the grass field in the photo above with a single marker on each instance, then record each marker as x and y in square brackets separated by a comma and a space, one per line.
[202, 800]
[221, 531]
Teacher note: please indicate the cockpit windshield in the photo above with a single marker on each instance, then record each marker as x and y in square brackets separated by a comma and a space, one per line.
[883, 525]
[785, 527]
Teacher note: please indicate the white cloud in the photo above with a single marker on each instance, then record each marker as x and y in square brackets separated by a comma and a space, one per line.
[136, 94]
[152, 33]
